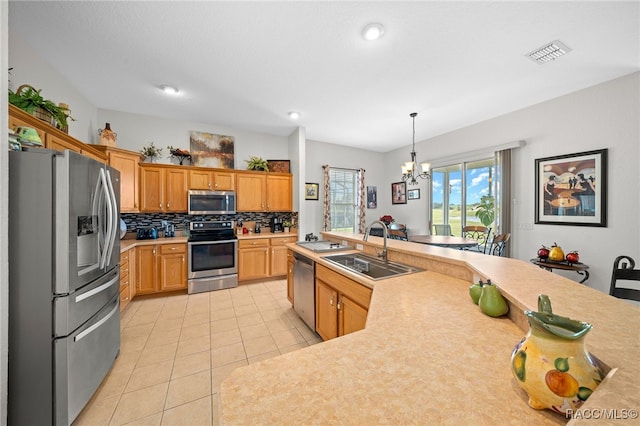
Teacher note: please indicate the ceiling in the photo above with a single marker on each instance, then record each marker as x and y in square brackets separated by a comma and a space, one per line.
[246, 64]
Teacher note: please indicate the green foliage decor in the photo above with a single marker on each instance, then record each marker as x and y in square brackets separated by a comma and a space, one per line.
[257, 163]
[151, 151]
[29, 99]
[485, 211]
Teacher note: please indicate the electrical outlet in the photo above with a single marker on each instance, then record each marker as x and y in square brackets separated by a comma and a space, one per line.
[526, 226]
[359, 247]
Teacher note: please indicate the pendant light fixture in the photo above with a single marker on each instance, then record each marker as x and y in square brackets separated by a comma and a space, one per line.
[409, 168]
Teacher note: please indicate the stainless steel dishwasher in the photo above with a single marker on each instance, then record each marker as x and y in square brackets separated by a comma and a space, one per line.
[304, 289]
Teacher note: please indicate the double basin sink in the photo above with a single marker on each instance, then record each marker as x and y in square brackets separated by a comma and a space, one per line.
[369, 266]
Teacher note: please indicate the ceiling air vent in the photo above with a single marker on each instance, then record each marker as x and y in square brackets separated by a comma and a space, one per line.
[548, 52]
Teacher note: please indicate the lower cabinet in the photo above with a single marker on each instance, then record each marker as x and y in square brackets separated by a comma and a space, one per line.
[341, 304]
[290, 263]
[161, 267]
[263, 257]
[127, 284]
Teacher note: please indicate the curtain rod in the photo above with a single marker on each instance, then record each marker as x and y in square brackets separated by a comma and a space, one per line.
[342, 168]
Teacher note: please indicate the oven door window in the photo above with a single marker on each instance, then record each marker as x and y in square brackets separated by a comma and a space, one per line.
[213, 256]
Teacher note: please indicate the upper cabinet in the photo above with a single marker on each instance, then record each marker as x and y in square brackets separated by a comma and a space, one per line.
[51, 137]
[212, 180]
[127, 163]
[163, 188]
[260, 191]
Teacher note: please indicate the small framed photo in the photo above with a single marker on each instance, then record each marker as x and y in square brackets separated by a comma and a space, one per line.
[413, 194]
[311, 191]
[572, 189]
[399, 193]
[279, 166]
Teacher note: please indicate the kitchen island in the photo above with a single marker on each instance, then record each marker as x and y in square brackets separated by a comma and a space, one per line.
[428, 355]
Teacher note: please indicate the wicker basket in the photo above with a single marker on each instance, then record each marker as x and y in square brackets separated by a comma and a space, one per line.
[39, 112]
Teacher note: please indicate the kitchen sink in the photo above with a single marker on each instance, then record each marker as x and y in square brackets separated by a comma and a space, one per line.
[369, 266]
[322, 246]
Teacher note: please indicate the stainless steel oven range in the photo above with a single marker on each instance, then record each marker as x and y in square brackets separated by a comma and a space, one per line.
[213, 256]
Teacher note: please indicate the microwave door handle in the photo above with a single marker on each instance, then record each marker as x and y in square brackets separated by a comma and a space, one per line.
[105, 192]
[114, 216]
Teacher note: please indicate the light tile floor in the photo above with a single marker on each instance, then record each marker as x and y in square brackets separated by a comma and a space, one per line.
[176, 350]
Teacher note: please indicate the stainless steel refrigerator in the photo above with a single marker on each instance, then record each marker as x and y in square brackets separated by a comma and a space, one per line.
[64, 253]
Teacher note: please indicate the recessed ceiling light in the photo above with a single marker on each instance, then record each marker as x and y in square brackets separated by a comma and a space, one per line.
[294, 115]
[373, 31]
[171, 90]
[548, 52]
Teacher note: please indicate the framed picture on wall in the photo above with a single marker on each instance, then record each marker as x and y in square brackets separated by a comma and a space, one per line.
[413, 194]
[572, 189]
[311, 191]
[372, 197]
[399, 193]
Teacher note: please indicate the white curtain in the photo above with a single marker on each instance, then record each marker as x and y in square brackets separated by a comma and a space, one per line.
[326, 200]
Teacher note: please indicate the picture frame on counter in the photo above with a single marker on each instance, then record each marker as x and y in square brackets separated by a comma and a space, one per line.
[571, 189]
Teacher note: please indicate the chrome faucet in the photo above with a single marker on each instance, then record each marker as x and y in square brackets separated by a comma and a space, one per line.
[367, 231]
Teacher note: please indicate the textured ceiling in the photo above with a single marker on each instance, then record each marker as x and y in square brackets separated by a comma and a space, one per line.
[246, 64]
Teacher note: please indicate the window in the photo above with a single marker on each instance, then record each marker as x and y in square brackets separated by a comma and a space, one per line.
[457, 190]
[343, 189]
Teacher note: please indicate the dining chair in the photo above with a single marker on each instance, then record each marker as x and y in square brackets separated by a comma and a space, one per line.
[444, 229]
[498, 244]
[478, 233]
[623, 269]
[398, 232]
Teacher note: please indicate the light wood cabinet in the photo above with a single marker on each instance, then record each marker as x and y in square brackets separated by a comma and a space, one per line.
[161, 267]
[173, 267]
[290, 263]
[146, 270]
[341, 304]
[51, 137]
[253, 259]
[125, 279]
[212, 180]
[128, 164]
[163, 189]
[264, 192]
[278, 255]
[263, 257]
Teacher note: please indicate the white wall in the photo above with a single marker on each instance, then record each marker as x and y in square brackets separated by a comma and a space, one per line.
[603, 116]
[31, 69]
[4, 217]
[321, 153]
[136, 130]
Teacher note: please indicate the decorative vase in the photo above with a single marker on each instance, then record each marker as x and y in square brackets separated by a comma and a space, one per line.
[107, 136]
[552, 364]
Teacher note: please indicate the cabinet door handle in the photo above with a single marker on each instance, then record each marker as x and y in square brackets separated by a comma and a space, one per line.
[173, 248]
[331, 301]
[182, 259]
[338, 305]
[160, 205]
[168, 205]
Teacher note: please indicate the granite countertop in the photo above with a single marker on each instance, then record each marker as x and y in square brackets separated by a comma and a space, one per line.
[128, 243]
[428, 355]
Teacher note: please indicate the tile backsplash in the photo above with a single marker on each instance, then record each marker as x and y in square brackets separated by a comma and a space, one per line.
[181, 220]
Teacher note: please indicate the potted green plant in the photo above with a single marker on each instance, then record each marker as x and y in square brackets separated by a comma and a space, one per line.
[485, 211]
[257, 163]
[30, 100]
[151, 151]
[287, 224]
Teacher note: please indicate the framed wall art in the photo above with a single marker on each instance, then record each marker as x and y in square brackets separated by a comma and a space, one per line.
[209, 150]
[399, 193]
[572, 189]
[279, 166]
[311, 191]
[372, 197]
[413, 194]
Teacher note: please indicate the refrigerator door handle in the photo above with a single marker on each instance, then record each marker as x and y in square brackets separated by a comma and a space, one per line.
[97, 290]
[109, 230]
[97, 325]
[114, 217]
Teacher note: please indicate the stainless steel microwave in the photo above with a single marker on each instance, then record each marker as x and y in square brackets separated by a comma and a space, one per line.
[212, 202]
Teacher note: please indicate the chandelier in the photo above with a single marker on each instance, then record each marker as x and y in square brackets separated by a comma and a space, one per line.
[409, 168]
